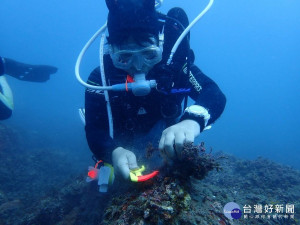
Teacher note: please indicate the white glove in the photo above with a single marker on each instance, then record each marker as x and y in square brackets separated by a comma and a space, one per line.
[173, 138]
[123, 161]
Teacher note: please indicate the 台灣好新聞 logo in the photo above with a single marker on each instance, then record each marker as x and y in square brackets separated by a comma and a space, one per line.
[232, 211]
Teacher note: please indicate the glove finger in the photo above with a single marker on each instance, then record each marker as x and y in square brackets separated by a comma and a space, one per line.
[169, 145]
[162, 151]
[131, 158]
[179, 140]
[161, 142]
[123, 168]
[189, 137]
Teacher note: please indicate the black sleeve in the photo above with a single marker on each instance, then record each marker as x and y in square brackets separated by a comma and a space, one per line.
[97, 128]
[206, 93]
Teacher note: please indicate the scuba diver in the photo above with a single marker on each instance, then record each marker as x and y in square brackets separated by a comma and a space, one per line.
[20, 71]
[139, 43]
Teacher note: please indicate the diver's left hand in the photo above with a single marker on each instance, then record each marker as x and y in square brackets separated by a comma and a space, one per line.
[173, 138]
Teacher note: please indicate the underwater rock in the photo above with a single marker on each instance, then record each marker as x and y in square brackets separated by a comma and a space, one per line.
[9, 139]
[167, 199]
[197, 197]
[159, 203]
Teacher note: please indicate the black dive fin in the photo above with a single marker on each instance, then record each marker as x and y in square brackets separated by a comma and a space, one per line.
[27, 72]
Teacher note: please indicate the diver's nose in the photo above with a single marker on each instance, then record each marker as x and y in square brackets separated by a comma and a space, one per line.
[138, 62]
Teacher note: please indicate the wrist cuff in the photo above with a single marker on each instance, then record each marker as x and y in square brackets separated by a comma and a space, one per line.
[197, 113]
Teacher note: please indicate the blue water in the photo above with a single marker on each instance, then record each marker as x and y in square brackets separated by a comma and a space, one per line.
[250, 48]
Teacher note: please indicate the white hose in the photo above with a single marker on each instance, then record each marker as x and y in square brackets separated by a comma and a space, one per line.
[185, 32]
[102, 71]
[78, 62]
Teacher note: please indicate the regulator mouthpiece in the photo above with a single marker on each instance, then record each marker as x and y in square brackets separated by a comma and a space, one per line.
[141, 86]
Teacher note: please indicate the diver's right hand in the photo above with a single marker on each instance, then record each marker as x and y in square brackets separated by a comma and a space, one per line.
[123, 161]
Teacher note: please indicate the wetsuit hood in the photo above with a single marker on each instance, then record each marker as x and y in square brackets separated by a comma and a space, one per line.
[130, 18]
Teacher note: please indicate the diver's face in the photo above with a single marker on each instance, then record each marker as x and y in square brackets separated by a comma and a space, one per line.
[136, 57]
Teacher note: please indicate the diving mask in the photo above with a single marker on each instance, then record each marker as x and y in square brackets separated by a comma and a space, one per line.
[136, 58]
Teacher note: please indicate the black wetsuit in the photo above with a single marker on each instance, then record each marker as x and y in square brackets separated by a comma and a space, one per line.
[134, 115]
[5, 112]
